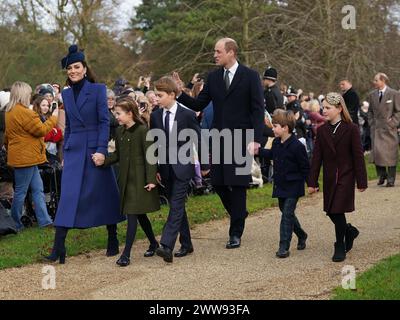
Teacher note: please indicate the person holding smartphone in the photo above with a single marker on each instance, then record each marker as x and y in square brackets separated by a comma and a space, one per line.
[144, 109]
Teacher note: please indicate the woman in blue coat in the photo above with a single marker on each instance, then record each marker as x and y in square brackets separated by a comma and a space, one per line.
[89, 194]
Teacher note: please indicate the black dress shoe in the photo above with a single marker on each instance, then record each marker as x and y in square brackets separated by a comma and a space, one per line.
[283, 253]
[390, 184]
[123, 261]
[381, 180]
[183, 252]
[301, 244]
[165, 253]
[151, 250]
[233, 243]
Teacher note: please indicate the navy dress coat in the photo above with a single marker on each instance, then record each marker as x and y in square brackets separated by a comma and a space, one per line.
[240, 107]
[89, 194]
[184, 119]
[291, 167]
[343, 164]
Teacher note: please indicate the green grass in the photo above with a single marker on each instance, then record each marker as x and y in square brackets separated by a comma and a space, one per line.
[382, 282]
[28, 246]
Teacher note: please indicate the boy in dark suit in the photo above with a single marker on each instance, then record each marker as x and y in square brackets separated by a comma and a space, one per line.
[291, 167]
[175, 173]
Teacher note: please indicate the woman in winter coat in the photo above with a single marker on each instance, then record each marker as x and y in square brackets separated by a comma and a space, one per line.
[89, 195]
[26, 150]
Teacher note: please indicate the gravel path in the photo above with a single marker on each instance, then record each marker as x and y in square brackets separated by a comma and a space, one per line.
[212, 272]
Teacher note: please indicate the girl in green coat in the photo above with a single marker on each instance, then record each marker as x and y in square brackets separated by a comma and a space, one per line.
[137, 178]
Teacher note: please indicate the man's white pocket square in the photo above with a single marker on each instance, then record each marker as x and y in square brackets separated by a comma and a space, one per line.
[389, 101]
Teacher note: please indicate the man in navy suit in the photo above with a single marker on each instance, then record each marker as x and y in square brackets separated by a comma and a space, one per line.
[237, 96]
[175, 173]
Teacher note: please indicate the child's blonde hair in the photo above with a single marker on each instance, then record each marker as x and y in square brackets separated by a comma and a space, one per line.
[284, 118]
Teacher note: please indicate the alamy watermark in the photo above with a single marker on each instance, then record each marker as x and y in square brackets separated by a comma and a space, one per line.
[227, 146]
[349, 20]
[49, 279]
[349, 277]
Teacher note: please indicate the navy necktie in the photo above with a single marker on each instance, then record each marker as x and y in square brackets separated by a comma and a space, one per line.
[166, 125]
[380, 95]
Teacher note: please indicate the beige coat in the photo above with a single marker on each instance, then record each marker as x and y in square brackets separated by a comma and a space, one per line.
[384, 119]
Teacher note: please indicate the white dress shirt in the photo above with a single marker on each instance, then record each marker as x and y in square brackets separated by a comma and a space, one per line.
[232, 71]
[383, 91]
[171, 116]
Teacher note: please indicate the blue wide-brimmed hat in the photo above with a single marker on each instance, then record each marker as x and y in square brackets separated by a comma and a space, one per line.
[74, 55]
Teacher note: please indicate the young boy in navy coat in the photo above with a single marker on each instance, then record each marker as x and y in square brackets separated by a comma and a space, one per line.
[291, 167]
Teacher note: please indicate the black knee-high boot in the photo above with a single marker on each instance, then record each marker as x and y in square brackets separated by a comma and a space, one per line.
[59, 251]
[351, 233]
[112, 243]
[340, 229]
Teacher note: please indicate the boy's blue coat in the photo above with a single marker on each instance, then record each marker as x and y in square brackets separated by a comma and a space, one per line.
[291, 167]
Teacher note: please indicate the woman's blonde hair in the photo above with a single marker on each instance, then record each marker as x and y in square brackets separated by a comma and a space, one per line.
[335, 99]
[314, 106]
[20, 93]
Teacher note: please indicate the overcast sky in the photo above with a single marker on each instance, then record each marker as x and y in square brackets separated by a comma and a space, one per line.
[127, 7]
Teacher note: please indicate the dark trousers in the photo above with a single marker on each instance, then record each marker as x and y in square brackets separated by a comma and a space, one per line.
[390, 174]
[177, 221]
[289, 222]
[234, 201]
